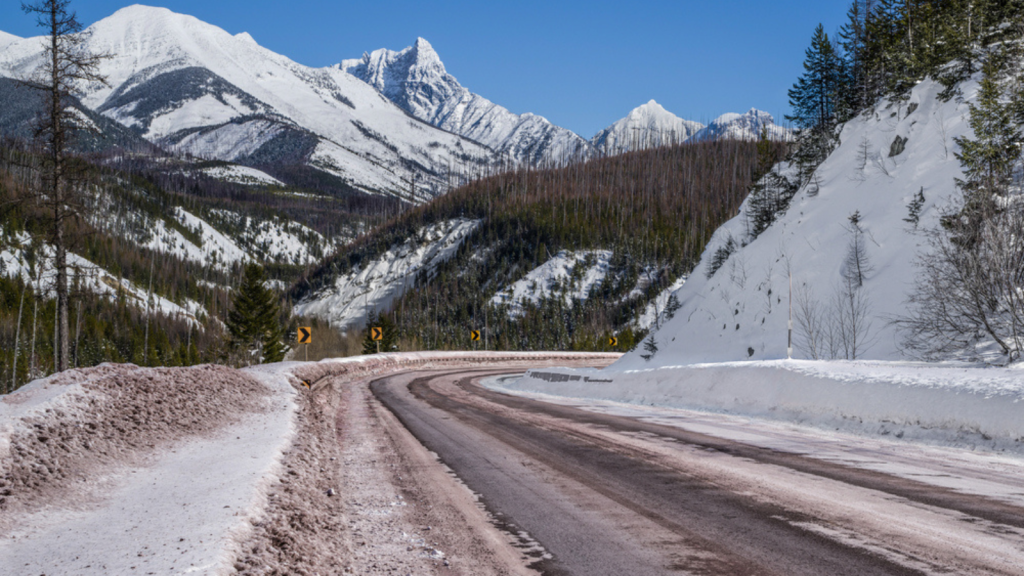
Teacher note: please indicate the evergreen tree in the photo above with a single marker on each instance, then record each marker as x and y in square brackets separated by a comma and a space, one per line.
[816, 102]
[987, 160]
[771, 193]
[390, 333]
[253, 322]
[914, 208]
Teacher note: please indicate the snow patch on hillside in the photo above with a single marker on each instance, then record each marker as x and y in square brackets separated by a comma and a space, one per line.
[656, 309]
[276, 239]
[218, 249]
[242, 175]
[90, 278]
[374, 285]
[569, 275]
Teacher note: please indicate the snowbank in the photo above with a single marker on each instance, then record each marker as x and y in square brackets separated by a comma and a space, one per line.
[946, 404]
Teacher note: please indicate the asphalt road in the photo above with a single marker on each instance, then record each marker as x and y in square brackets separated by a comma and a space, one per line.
[594, 494]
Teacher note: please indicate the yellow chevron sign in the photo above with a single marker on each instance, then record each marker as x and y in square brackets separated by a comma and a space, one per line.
[475, 335]
[613, 341]
[305, 335]
[377, 334]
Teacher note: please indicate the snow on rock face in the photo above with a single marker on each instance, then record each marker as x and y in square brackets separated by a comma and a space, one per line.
[568, 275]
[376, 284]
[192, 86]
[741, 312]
[647, 126]
[743, 127]
[416, 80]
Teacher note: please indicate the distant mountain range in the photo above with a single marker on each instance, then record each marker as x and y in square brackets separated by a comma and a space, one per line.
[393, 123]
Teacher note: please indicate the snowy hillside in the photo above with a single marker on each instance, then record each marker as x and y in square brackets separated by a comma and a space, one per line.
[744, 127]
[192, 87]
[647, 126]
[569, 275]
[6, 39]
[375, 285]
[885, 158]
[416, 80]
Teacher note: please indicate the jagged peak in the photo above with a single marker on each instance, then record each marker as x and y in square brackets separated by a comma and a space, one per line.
[245, 36]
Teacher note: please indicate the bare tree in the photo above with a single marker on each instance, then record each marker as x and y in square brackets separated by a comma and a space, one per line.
[66, 67]
[856, 265]
[969, 298]
[851, 320]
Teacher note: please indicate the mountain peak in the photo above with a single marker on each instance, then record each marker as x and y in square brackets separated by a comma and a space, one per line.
[7, 39]
[646, 125]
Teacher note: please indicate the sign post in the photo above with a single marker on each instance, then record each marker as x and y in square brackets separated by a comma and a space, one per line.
[304, 335]
[377, 334]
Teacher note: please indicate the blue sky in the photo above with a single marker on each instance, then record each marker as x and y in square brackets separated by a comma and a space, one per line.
[581, 64]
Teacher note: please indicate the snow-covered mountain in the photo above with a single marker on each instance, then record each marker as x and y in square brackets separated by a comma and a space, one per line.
[885, 158]
[6, 39]
[190, 86]
[646, 126]
[744, 127]
[416, 80]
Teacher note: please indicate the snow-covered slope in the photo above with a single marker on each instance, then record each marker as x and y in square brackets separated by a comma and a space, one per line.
[416, 79]
[741, 312]
[191, 86]
[744, 127]
[647, 126]
[374, 286]
[569, 275]
[6, 39]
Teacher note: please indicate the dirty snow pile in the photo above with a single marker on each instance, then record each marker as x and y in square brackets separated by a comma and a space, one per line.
[119, 469]
[569, 275]
[947, 404]
[376, 284]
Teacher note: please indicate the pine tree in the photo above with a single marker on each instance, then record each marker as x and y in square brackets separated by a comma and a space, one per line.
[914, 208]
[390, 333]
[253, 322]
[771, 193]
[816, 102]
[651, 347]
[987, 160]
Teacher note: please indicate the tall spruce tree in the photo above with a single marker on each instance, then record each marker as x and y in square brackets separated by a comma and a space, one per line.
[987, 160]
[815, 99]
[253, 323]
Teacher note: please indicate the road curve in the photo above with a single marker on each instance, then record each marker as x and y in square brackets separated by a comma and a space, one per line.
[609, 495]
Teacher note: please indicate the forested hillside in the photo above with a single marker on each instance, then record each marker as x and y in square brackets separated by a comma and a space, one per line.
[156, 250]
[543, 259]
